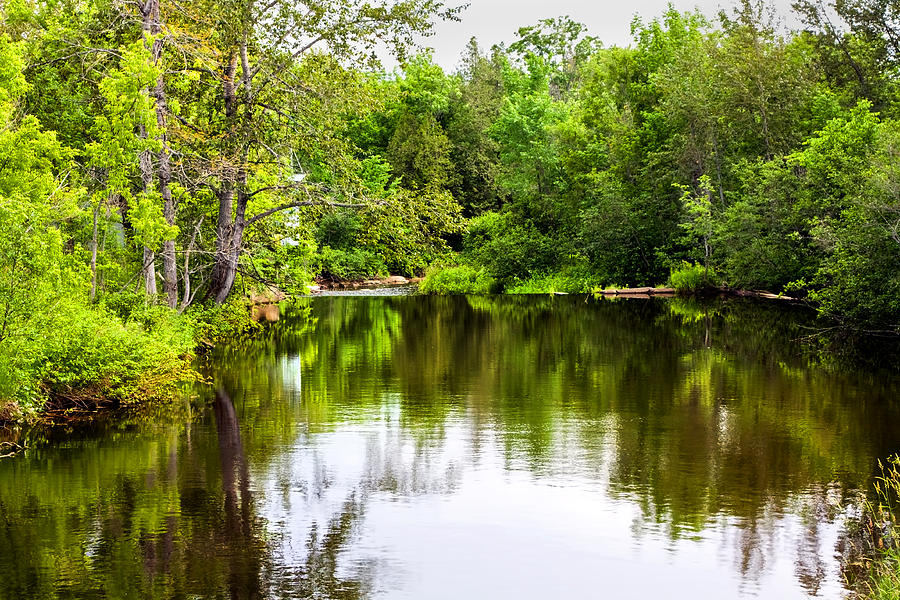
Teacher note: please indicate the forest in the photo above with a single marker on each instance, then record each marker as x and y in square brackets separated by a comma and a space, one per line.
[162, 160]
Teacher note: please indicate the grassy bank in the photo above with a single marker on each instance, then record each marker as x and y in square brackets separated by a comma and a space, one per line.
[874, 563]
[884, 578]
[121, 350]
[576, 278]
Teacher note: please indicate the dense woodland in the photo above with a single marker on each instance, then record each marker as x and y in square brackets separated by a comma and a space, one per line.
[158, 160]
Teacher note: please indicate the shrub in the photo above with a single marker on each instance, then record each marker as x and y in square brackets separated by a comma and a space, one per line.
[81, 355]
[350, 265]
[338, 229]
[123, 302]
[691, 278]
[211, 323]
[84, 355]
[510, 248]
[574, 279]
[99, 357]
[463, 279]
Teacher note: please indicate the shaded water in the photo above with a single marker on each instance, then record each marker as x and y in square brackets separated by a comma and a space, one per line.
[517, 447]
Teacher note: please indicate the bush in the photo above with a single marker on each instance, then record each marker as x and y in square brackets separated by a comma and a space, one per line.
[510, 248]
[575, 279]
[338, 229]
[858, 281]
[691, 278]
[463, 279]
[82, 355]
[349, 265]
[99, 357]
[122, 303]
[211, 324]
[411, 229]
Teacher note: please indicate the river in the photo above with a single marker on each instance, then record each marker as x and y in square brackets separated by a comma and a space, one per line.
[468, 448]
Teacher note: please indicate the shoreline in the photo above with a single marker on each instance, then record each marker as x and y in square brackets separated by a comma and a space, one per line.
[667, 292]
[391, 281]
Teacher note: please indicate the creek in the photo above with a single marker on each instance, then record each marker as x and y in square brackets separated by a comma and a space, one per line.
[494, 447]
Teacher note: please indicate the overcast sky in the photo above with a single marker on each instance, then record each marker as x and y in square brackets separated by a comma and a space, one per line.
[494, 21]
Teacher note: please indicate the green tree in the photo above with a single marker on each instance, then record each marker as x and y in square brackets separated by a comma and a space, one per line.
[475, 154]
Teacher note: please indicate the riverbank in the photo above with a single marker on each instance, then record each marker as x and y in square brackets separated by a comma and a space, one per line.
[872, 549]
[467, 279]
[124, 351]
[508, 403]
[119, 352]
[336, 284]
[669, 292]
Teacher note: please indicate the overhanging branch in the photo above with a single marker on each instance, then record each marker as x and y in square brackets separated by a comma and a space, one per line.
[301, 203]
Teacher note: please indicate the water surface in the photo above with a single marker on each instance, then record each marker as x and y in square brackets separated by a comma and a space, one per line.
[516, 447]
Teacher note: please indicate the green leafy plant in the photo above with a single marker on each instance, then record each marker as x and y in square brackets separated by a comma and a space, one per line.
[573, 279]
[350, 265]
[882, 580]
[463, 279]
[691, 278]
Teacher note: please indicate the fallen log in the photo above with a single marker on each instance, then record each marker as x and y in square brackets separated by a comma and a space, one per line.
[641, 291]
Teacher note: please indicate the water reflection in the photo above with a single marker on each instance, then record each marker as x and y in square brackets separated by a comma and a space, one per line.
[450, 447]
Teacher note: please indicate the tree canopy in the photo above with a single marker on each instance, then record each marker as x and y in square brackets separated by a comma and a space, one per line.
[163, 156]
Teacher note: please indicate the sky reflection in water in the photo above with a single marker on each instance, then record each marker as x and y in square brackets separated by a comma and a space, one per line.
[478, 448]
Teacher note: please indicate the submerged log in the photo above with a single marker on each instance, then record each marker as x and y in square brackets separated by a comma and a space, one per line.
[759, 294]
[667, 292]
[641, 291]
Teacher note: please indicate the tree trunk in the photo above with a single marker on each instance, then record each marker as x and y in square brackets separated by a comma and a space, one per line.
[164, 177]
[151, 26]
[145, 160]
[170, 271]
[229, 242]
[149, 271]
[188, 297]
[231, 222]
[94, 253]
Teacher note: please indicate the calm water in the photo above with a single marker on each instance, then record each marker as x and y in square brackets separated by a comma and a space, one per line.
[430, 448]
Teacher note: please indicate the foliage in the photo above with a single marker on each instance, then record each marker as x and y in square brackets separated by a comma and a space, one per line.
[211, 324]
[338, 229]
[462, 279]
[691, 278]
[241, 144]
[196, 161]
[572, 279]
[349, 265]
[509, 248]
[882, 580]
[99, 358]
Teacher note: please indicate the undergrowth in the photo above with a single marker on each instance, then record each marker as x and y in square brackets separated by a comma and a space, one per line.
[462, 279]
[121, 350]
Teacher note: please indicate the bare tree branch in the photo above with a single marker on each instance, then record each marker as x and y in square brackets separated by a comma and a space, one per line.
[300, 203]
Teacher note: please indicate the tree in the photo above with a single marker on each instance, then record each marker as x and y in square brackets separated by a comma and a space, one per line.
[419, 150]
[562, 44]
[475, 154]
[152, 34]
[36, 195]
[700, 222]
[126, 130]
[260, 101]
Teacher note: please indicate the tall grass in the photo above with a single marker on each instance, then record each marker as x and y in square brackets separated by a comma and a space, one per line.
[691, 278]
[463, 279]
[880, 533]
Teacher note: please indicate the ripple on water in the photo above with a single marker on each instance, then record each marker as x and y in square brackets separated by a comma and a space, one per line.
[432, 448]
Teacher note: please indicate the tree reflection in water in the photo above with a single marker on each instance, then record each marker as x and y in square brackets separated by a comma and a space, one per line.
[252, 571]
[702, 426]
